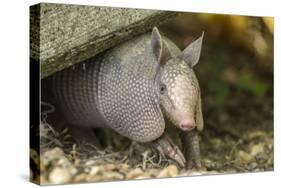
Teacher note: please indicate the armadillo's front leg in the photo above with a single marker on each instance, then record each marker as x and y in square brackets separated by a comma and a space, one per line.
[190, 140]
[167, 147]
[191, 149]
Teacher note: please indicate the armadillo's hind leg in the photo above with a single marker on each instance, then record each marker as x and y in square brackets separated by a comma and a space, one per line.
[167, 147]
[190, 142]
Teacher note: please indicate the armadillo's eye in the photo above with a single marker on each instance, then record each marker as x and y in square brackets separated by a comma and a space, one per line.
[163, 89]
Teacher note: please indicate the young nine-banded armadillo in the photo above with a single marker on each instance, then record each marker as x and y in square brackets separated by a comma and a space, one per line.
[131, 87]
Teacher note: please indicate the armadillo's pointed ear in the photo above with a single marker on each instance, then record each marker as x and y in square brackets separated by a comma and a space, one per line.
[159, 48]
[191, 53]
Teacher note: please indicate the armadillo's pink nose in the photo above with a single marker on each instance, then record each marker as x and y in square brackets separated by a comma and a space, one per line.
[187, 125]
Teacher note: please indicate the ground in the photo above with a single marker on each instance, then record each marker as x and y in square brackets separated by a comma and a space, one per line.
[228, 145]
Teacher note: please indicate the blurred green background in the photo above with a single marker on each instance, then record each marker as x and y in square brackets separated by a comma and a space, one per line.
[237, 53]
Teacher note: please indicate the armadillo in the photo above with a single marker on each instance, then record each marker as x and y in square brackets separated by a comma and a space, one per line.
[131, 87]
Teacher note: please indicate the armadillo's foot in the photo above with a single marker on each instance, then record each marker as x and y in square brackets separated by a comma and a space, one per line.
[167, 147]
[194, 164]
[190, 142]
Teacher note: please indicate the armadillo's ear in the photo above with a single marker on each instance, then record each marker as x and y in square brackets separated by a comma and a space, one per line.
[159, 48]
[191, 53]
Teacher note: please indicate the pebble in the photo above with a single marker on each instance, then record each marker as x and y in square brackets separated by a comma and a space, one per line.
[113, 176]
[95, 178]
[51, 155]
[145, 176]
[54, 153]
[94, 170]
[253, 165]
[256, 149]
[244, 156]
[195, 173]
[59, 176]
[109, 167]
[134, 173]
[170, 171]
[90, 163]
[66, 164]
[80, 178]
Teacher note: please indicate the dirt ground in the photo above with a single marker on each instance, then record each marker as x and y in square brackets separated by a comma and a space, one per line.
[228, 145]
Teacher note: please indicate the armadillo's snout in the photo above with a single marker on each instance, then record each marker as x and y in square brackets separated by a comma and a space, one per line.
[187, 124]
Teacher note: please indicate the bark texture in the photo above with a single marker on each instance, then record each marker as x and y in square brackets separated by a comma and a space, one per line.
[62, 35]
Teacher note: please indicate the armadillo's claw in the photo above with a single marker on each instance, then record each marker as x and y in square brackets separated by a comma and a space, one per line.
[167, 147]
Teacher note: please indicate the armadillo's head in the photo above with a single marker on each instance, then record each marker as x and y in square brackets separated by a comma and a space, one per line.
[176, 82]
